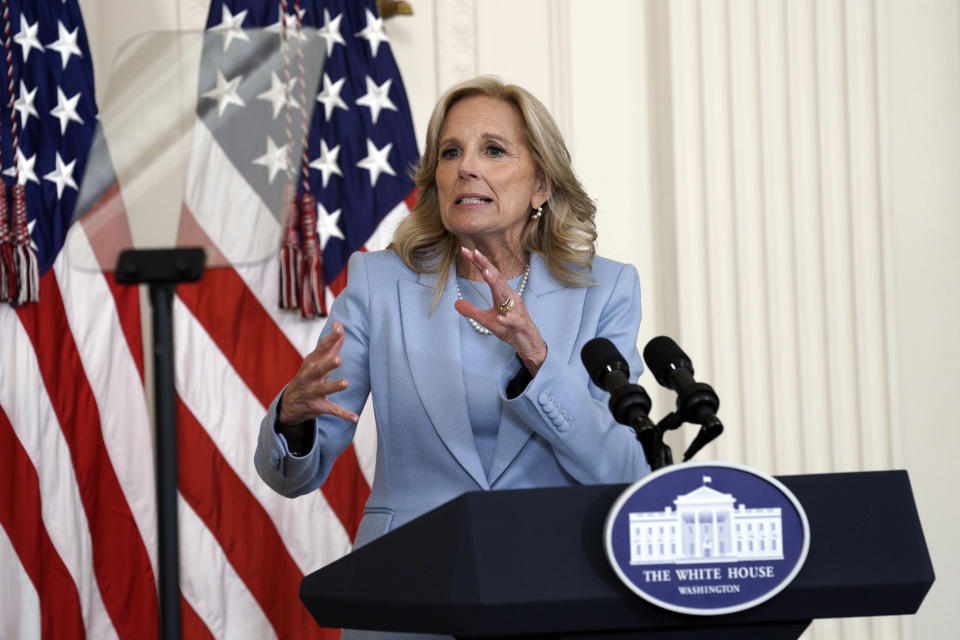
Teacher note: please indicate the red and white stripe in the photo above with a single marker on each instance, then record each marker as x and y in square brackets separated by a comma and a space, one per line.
[78, 530]
[77, 506]
[235, 350]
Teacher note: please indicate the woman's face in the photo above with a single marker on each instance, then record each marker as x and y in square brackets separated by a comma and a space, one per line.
[487, 181]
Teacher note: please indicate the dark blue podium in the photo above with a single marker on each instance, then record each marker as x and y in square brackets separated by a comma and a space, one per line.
[530, 563]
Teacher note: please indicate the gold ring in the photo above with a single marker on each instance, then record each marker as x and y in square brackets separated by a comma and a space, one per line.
[505, 306]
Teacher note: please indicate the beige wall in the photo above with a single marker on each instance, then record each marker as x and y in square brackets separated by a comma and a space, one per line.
[784, 175]
[923, 93]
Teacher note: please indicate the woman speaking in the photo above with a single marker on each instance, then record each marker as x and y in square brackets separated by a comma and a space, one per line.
[468, 329]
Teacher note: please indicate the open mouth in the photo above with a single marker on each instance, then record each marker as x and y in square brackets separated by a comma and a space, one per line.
[473, 200]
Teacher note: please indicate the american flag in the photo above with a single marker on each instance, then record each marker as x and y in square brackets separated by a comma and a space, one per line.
[77, 505]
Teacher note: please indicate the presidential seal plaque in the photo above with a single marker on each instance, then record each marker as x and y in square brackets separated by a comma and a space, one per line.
[707, 538]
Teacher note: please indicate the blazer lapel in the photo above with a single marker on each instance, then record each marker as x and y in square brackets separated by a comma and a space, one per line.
[433, 349]
[553, 307]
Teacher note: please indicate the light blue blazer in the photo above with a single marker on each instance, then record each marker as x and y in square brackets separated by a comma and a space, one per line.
[559, 431]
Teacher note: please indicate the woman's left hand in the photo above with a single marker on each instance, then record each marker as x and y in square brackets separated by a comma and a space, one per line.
[515, 327]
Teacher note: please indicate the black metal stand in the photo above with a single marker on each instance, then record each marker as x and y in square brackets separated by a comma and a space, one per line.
[659, 454]
[162, 269]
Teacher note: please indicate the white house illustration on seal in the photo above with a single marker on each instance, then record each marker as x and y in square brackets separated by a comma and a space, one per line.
[705, 527]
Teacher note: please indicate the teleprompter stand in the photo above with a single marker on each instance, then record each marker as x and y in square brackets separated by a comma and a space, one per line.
[162, 269]
[530, 564]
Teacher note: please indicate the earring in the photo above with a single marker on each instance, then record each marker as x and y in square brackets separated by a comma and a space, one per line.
[536, 214]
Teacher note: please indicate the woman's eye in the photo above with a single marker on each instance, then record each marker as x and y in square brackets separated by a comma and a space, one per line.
[448, 154]
[495, 151]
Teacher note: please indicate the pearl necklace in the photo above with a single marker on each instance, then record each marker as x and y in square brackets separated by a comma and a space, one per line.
[476, 325]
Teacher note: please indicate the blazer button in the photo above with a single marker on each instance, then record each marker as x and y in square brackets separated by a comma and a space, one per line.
[543, 399]
[560, 423]
[275, 458]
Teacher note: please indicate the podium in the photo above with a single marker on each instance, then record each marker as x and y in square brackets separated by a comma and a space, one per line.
[531, 563]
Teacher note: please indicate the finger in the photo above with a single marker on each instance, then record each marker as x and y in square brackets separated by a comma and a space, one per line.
[484, 264]
[330, 344]
[465, 308]
[468, 255]
[332, 341]
[487, 318]
[333, 386]
[510, 320]
[469, 310]
[322, 370]
[487, 268]
[499, 287]
[318, 394]
[325, 357]
[475, 258]
[320, 364]
[334, 409]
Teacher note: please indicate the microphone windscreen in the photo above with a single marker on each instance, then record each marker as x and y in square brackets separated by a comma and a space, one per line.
[600, 356]
[663, 355]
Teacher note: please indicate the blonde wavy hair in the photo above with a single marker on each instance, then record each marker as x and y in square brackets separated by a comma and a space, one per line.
[565, 235]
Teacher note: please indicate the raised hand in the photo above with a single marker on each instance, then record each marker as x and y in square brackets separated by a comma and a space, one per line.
[508, 318]
[308, 394]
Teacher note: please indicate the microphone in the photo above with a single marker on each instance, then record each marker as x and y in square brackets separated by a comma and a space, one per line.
[697, 402]
[629, 403]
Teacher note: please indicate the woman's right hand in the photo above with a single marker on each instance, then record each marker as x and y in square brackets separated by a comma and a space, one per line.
[307, 395]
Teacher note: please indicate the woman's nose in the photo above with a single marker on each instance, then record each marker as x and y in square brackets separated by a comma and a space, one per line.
[467, 168]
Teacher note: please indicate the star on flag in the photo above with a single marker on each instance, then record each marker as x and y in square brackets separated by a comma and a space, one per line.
[275, 159]
[377, 98]
[66, 44]
[376, 161]
[373, 32]
[330, 98]
[24, 170]
[327, 225]
[354, 156]
[231, 27]
[330, 31]
[27, 37]
[225, 93]
[66, 110]
[327, 162]
[280, 94]
[62, 176]
[24, 104]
